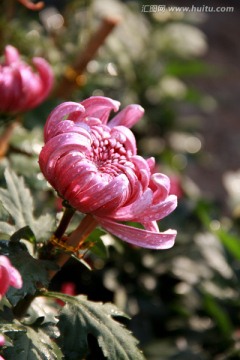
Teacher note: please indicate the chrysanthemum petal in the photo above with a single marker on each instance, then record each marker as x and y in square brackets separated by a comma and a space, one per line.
[160, 184]
[11, 55]
[140, 237]
[58, 115]
[11, 90]
[99, 107]
[128, 117]
[45, 80]
[134, 210]
[112, 194]
[53, 150]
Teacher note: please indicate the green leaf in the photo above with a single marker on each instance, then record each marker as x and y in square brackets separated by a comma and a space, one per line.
[230, 242]
[18, 202]
[24, 233]
[32, 344]
[98, 248]
[42, 311]
[33, 271]
[81, 317]
[221, 317]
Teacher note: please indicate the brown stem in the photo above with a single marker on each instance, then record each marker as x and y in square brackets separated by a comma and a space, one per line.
[73, 73]
[6, 136]
[76, 239]
[67, 216]
[46, 252]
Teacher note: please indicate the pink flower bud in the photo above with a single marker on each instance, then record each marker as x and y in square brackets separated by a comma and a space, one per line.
[22, 88]
[93, 164]
[9, 276]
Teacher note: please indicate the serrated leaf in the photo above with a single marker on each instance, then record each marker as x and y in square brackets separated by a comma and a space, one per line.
[32, 344]
[41, 308]
[81, 317]
[17, 199]
[18, 202]
[33, 271]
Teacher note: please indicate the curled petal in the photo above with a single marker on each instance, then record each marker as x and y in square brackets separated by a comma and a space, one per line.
[134, 210]
[143, 170]
[53, 150]
[127, 117]
[11, 90]
[158, 211]
[67, 126]
[108, 198]
[11, 55]
[46, 80]
[160, 185]
[67, 170]
[151, 163]
[143, 211]
[99, 107]
[58, 115]
[82, 182]
[140, 237]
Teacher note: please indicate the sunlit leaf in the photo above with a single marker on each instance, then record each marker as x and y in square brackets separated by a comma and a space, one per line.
[81, 317]
[31, 344]
[18, 201]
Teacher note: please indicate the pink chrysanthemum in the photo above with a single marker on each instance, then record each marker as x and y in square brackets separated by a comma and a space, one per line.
[93, 164]
[21, 87]
[9, 276]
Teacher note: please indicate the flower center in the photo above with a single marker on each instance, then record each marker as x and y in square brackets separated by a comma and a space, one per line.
[109, 155]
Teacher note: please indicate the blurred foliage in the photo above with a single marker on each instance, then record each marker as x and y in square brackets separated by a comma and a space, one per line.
[184, 302]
